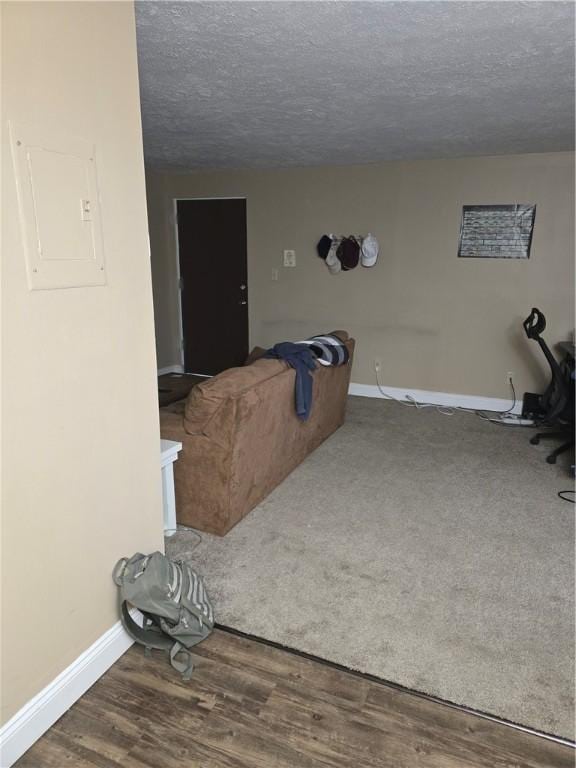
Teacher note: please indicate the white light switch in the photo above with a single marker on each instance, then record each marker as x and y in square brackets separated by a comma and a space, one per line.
[85, 208]
[289, 258]
[274, 274]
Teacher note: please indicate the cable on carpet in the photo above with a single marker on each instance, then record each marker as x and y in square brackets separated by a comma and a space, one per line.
[494, 416]
[183, 529]
[562, 495]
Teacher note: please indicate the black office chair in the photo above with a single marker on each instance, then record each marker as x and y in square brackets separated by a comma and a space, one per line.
[554, 408]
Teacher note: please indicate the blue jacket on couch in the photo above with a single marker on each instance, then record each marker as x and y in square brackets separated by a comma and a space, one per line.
[299, 357]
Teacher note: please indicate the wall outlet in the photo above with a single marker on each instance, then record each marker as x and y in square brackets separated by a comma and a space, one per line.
[509, 376]
[289, 258]
[377, 364]
[274, 274]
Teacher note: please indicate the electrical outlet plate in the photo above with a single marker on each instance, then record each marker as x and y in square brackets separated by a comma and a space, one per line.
[377, 363]
[290, 258]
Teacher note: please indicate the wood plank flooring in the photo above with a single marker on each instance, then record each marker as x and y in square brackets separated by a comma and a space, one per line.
[250, 705]
[176, 386]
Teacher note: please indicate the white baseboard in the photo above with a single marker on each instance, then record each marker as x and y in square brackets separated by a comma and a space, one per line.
[170, 369]
[437, 398]
[37, 715]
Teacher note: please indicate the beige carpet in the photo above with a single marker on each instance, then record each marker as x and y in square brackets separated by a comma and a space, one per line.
[431, 551]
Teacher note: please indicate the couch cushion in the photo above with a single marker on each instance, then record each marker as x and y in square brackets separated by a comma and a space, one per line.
[207, 398]
[256, 354]
[176, 407]
[171, 422]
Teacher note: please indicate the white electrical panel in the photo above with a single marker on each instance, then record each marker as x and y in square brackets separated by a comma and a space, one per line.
[59, 208]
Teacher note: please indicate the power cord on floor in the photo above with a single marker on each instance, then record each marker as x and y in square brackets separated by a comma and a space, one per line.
[168, 532]
[493, 416]
[565, 498]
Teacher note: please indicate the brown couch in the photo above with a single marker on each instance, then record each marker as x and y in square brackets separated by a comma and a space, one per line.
[241, 437]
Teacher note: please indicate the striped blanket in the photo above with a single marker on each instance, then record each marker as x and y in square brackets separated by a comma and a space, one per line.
[328, 349]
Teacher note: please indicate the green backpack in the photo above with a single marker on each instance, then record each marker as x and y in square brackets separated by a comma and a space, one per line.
[172, 598]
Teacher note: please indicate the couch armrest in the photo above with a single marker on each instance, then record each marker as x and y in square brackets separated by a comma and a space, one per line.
[201, 477]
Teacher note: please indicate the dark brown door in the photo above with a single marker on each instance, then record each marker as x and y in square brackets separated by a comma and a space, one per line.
[214, 283]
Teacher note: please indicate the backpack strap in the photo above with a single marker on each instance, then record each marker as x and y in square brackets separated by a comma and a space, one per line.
[155, 638]
[184, 667]
[151, 638]
[119, 570]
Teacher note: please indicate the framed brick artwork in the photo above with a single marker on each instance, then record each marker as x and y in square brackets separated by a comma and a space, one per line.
[496, 231]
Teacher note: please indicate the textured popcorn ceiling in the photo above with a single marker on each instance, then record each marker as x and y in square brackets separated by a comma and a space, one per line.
[244, 84]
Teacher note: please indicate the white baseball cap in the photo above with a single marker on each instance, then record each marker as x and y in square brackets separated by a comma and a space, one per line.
[369, 254]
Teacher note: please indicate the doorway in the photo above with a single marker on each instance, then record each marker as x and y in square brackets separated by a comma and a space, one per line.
[212, 256]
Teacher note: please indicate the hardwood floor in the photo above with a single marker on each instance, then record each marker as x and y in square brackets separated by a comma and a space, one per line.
[250, 705]
[176, 386]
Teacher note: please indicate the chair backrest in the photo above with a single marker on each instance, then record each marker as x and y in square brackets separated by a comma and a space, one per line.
[558, 400]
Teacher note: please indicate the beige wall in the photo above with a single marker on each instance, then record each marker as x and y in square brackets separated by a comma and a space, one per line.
[81, 484]
[437, 322]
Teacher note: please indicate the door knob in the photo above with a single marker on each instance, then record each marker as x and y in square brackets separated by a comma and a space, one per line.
[242, 287]
[243, 302]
